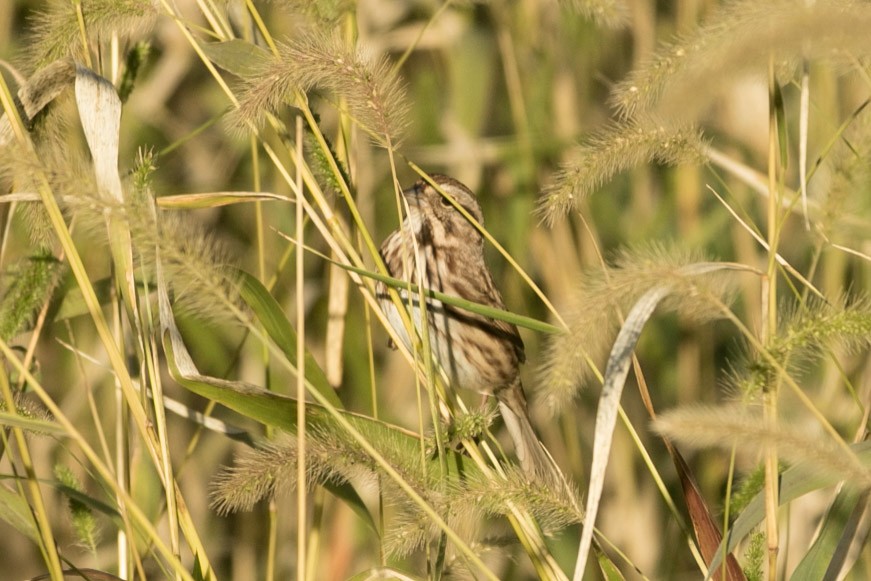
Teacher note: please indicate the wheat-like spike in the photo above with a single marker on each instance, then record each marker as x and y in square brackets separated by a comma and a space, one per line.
[804, 334]
[57, 33]
[319, 61]
[684, 76]
[331, 456]
[726, 427]
[620, 146]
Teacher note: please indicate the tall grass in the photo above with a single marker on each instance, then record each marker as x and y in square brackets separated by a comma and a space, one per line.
[197, 382]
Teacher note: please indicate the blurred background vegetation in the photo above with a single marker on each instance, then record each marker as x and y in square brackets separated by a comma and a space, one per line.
[588, 128]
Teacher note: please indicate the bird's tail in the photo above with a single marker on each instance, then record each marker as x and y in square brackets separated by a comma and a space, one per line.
[534, 459]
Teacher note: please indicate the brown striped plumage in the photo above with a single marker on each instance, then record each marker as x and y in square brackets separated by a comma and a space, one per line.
[476, 352]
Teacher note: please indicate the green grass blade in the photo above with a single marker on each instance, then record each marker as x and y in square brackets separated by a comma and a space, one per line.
[826, 557]
[794, 482]
[31, 424]
[270, 315]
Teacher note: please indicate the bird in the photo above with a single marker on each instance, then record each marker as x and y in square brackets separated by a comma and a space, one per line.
[439, 248]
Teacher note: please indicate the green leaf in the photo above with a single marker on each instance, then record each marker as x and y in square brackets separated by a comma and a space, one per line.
[236, 56]
[271, 316]
[826, 556]
[609, 570]
[92, 503]
[15, 511]
[72, 302]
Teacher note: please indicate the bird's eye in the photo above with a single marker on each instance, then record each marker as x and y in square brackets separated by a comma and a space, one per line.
[445, 201]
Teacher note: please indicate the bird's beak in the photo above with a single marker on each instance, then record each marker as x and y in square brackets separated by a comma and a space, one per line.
[414, 190]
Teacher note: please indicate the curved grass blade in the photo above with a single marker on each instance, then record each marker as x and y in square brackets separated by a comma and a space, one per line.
[609, 402]
[15, 511]
[606, 416]
[271, 316]
[214, 199]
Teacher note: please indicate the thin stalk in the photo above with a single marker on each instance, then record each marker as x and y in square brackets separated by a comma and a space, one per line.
[92, 403]
[770, 328]
[122, 465]
[373, 394]
[261, 26]
[272, 541]
[258, 213]
[657, 478]
[301, 488]
[727, 504]
[83, 35]
[47, 545]
[514, 84]
[152, 362]
[413, 45]
[272, 538]
[803, 137]
[314, 540]
[219, 25]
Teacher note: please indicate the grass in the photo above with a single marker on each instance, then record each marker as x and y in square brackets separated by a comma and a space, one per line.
[197, 383]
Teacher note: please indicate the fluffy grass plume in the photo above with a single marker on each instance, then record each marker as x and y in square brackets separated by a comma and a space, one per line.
[755, 557]
[620, 146]
[82, 517]
[332, 456]
[553, 508]
[57, 34]
[804, 334]
[845, 173]
[683, 77]
[468, 503]
[594, 313]
[45, 85]
[321, 61]
[699, 427]
[28, 284]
